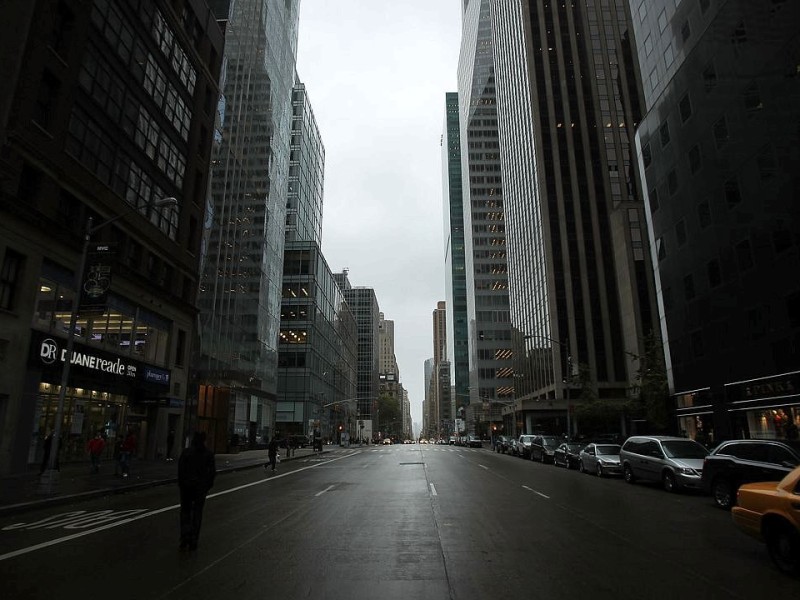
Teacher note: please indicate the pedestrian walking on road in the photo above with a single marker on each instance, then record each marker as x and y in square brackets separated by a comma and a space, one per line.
[126, 450]
[196, 473]
[272, 453]
[95, 447]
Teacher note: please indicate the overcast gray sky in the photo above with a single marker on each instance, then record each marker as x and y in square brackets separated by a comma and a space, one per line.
[376, 72]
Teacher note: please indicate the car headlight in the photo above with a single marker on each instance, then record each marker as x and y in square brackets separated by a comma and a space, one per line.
[688, 471]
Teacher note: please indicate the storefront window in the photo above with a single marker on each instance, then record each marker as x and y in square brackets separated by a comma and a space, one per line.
[774, 423]
[85, 413]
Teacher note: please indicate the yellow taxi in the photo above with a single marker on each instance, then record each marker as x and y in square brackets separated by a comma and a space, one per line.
[770, 511]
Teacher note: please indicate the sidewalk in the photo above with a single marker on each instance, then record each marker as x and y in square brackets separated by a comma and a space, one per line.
[21, 492]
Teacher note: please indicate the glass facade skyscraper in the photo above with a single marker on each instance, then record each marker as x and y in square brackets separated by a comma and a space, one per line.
[490, 351]
[455, 262]
[240, 294]
[718, 147]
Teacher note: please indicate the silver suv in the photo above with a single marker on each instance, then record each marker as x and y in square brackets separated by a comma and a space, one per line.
[676, 462]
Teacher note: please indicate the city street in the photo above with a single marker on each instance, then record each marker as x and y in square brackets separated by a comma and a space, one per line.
[403, 521]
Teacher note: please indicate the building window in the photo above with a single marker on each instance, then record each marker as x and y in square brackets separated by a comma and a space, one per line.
[752, 98]
[180, 349]
[739, 37]
[672, 182]
[704, 214]
[714, 273]
[710, 77]
[744, 255]
[10, 279]
[661, 249]
[721, 132]
[46, 100]
[662, 21]
[654, 78]
[685, 108]
[653, 197]
[686, 31]
[648, 45]
[732, 194]
[664, 133]
[643, 10]
[695, 159]
[688, 287]
[680, 232]
[767, 162]
[669, 56]
[647, 156]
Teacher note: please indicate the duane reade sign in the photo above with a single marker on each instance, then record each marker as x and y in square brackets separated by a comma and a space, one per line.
[50, 352]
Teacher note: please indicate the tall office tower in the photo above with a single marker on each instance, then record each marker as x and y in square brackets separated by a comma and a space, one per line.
[719, 145]
[442, 399]
[428, 416]
[240, 293]
[408, 429]
[389, 375]
[387, 361]
[491, 371]
[306, 172]
[105, 111]
[364, 305]
[317, 349]
[455, 271]
[583, 300]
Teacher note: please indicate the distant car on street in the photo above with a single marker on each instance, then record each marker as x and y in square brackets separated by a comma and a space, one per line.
[474, 441]
[523, 448]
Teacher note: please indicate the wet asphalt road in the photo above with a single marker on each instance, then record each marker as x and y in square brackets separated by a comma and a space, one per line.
[382, 523]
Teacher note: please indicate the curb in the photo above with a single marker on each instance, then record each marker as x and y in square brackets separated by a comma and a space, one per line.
[20, 507]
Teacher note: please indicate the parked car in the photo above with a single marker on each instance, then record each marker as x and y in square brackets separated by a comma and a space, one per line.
[513, 447]
[736, 462]
[769, 511]
[543, 447]
[501, 443]
[676, 462]
[474, 441]
[524, 446]
[602, 459]
[568, 454]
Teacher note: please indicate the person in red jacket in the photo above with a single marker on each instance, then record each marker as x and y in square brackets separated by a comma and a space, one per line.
[95, 447]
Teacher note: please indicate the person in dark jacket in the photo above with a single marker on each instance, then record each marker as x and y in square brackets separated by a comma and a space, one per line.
[272, 453]
[196, 472]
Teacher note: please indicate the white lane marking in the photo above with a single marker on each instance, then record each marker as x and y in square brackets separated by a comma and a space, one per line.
[535, 492]
[433, 490]
[483, 467]
[330, 487]
[152, 513]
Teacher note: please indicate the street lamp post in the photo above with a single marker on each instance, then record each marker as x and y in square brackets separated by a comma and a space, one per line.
[49, 478]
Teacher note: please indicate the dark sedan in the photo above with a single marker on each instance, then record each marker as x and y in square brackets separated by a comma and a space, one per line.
[568, 455]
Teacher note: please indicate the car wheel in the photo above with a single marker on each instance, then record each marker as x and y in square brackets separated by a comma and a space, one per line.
[581, 468]
[783, 544]
[599, 470]
[723, 493]
[669, 482]
[628, 474]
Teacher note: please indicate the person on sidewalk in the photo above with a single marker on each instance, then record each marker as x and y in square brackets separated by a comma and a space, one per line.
[126, 451]
[47, 444]
[272, 453]
[196, 473]
[95, 447]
